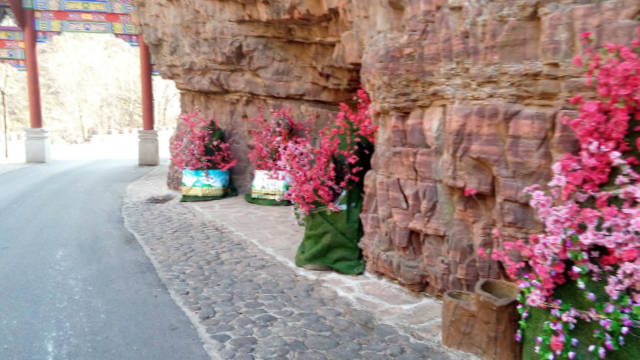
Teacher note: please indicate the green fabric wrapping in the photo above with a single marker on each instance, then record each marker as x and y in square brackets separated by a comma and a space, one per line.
[569, 293]
[331, 238]
[266, 202]
[231, 191]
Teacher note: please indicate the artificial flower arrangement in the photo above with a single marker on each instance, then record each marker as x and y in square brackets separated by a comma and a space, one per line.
[203, 152]
[580, 278]
[273, 134]
[327, 186]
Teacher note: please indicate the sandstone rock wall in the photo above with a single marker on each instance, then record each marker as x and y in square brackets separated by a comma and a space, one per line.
[230, 57]
[470, 93]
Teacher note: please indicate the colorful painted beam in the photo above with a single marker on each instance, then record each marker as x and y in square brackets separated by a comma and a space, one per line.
[12, 39]
[53, 17]
[101, 6]
[12, 46]
[18, 64]
[85, 27]
[45, 36]
[129, 39]
[11, 33]
[12, 54]
[83, 16]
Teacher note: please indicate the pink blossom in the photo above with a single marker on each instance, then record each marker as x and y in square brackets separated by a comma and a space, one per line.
[470, 191]
[557, 343]
[200, 144]
[629, 254]
[271, 138]
[577, 60]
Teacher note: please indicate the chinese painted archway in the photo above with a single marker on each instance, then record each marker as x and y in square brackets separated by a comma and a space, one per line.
[39, 21]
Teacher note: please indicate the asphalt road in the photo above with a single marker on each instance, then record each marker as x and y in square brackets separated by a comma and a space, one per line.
[74, 283]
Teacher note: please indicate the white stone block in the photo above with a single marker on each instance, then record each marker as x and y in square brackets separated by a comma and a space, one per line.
[148, 150]
[37, 146]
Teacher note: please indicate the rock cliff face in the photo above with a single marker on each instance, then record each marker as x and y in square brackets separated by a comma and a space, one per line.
[229, 58]
[469, 93]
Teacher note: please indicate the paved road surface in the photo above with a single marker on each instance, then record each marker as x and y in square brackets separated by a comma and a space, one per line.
[74, 284]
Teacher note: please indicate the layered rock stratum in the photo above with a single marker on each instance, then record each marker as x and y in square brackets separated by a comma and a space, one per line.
[468, 93]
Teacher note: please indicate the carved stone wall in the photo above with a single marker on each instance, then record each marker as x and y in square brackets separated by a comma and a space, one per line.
[469, 93]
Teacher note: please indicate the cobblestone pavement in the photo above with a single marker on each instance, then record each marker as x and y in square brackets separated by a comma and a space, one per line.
[274, 231]
[249, 303]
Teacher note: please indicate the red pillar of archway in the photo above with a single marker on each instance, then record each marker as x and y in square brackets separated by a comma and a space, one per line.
[37, 139]
[147, 89]
[31, 59]
[148, 151]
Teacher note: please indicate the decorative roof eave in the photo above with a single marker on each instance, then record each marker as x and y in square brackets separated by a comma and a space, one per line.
[98, 6]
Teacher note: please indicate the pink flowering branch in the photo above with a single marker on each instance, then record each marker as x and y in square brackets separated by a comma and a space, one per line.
[319, 175]
[200, 144]
[272, 136]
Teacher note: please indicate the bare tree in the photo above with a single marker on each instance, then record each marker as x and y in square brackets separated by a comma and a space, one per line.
[90, 83]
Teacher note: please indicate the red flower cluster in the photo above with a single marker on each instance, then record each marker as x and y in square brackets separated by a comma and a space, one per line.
[272, 136]
[200, 144]
[603, 124]
[320, 174]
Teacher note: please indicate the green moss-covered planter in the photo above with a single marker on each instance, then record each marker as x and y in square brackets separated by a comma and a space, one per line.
[569, 293]
[331, 238]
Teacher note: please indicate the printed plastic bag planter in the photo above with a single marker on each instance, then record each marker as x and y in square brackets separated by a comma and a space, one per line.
[203, 185]
[331, 238]
[268, 188]
[202, 150]
[272, 134]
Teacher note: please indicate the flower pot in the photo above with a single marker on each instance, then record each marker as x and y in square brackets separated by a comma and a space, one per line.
[496, 302]
[331, 238]
[270, 185]
[483, 323]
[204, 184]
[458, 321]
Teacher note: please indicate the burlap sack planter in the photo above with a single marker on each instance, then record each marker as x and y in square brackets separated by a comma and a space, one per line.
[268, 188]
[204, 185]
[484, 322]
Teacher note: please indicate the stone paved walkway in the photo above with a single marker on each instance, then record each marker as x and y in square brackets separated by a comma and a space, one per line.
[229, 265]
